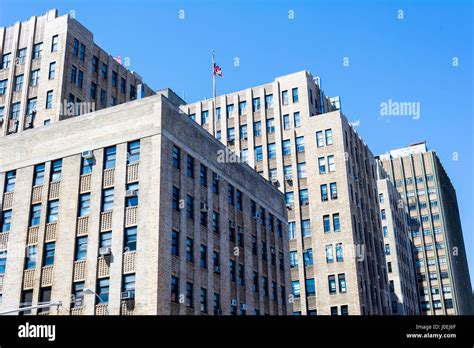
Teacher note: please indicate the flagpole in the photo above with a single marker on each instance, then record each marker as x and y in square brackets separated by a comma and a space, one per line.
[214, 94]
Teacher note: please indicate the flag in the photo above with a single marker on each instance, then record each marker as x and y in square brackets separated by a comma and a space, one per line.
[217, 70]
[118, 60]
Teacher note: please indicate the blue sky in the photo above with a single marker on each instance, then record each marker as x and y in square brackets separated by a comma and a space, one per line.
[408, 60]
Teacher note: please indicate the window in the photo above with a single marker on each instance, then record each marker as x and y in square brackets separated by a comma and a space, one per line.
[6, 220]
[329, 253]
[258, 153]
[230, 134]
[34, 79]
[15, 112]
[271, 125]
[242, 107]
[257, 129]
[300, 144]
[243, 132]
[37, 48]
[52, 70]
[216, 262]
[203, 175]
[176, 157]
[296, 119]
[174, 289]
[103, 96]
[31, 257]
[130, 240]
[271, 150]
[286, 147]
[295, 288]
[291, 230]
[339, 252]
[53, 207]
[326, 224]
[238, 204]
[49, 100]
[82, 52]
[10, 180]
[342, 282]
[110, 157]
[203, 256]
[189, 250]
[73, 74]
[241, 274]
[80, 79]
[387, 249]
[255, 104]
[383, 215]
[93, 91]
[21, 56]
[286, 122]
[3, 262]
[175, 243]
[87, 165]
[284, 97]
[319, 139]
[35, 215]
[332, 284]
[18, 83]
[38, 178]
[104, 71]
[293, 259]
[204, 117]
[6, 60]
[336, 222]
[133, 152]
[230, 110]
[308, 257]
[203, 300]
[269, 101]
[328, 133]
[81, 249]
[75, 47]
[232, 271]
[217, 303]
[294, 93]
[385, 231]
[310, 287]
[331, 164]
[215, 183]
[304, 199]
[56, 169]
[103, 290]
[190, 166]
[218, 113]
[322, 165]
[190, 207]
[3, 87]
[344, 310]
[107, 199]
[31, 108]
[84, 204]
[48, 258]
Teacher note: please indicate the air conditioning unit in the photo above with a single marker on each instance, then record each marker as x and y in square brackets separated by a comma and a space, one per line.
[217, 269]
[13, 126]
[305, 203]
[333, 196]
[230, 141]
[131, 193]
[77, 301]
[243, 306]
[204, 207]
[289, 206]
[245, 137]
[127, 295]
[256, 216]
[105, 251]
[288, 177]
[233, 302]
[87, 154]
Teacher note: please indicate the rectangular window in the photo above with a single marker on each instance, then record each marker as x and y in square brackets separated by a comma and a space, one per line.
[56, 170]
[102, 291]
[286, 147]
[104, 71]
[271, 125]
[328, 133]
[342, 282]
[34, 79]
[242, 107]
[52, 70]
[332, 284]
[81, 249]
[38, 178]
[190, 207]
[308, 257]
[203, 300]
[123, 85]
[204, 117]
[232, 271]
[296, 119]
[326, 224]
[107, 200]
[331, 164]
[110, 157]
[80, 79]
[294, 93]
[48, 257]
[295, 288]
[35, 215]
[82, 52]
[284, 97]
[133, 153]
[6, 220]
[130, 239]
[18, 86]
[269, 101]
[230, 110]
[73, 74]
[175, 199]
[339, 252]
[49, 99]
[37, 48]
[53, 208]
[286, 122]
[3, 262]
[203, 175]
[255, 104]
[258, 153]
[310, 287]
[272, 150]
[175, 243]
[10, 181]
[190, 166]
[6, 60]
[336, 222]
[329, 253]
[4, 86]
[257, 129]
[174, 289]
[301, 170]
[300, 144]
[203, 256]
[176, 155]
[189, 250]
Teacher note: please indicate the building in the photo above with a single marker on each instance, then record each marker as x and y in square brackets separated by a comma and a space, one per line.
[440, 257]
[398, 247]
[51, 70]
[295, 136]
[142, 213]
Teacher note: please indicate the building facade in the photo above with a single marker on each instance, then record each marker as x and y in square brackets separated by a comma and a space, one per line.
[441, 265]
[297, 138]
[139, 217]
[398, 247]
[51, 69]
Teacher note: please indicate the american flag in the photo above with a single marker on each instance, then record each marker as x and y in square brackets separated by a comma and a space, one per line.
[118, 60]
[217, 70]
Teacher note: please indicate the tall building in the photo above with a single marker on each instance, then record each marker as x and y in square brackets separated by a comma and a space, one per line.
[440, 257]
[140, 216]
[51, 69]
[295, 136]
[398, 247]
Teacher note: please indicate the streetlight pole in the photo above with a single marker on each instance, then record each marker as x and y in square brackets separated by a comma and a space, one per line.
[89, 291]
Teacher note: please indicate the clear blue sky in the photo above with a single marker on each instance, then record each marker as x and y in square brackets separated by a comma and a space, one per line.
[402, 60]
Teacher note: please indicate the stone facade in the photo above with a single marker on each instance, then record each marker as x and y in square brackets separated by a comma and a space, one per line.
[107, 190]
[47, 73]
[441, 265]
